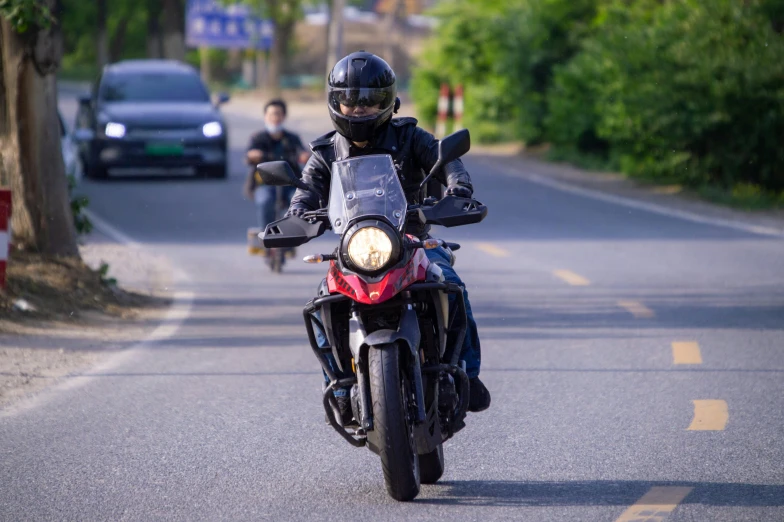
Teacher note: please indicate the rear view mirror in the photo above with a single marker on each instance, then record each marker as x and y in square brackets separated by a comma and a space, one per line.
[279, 174]
[85, 99]
[453, 146]
[449, 149]
[223, 97]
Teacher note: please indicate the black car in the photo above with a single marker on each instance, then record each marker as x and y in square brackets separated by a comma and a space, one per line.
[151, 113]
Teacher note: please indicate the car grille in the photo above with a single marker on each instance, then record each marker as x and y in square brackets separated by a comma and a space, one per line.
[164, 132]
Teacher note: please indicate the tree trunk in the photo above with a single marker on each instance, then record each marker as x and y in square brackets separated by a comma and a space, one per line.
[284, 31]
[154, 38]
[335, 34]
[117, 44]
[102, 35]
[173, 29]
[391, 31]
[31, 163]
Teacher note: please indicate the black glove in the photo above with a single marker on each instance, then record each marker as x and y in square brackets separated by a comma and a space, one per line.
[299, 212]
[459, 190]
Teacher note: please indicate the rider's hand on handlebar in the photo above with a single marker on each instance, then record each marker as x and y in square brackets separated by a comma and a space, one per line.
[299, 212]
[254, 156]
[459, 191]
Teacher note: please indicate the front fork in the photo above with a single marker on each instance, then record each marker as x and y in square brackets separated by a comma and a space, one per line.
[360, 342]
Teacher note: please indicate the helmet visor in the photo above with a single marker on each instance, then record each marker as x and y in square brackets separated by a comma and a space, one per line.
[361, 103]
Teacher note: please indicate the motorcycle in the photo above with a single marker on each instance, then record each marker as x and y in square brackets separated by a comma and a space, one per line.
[383, 309]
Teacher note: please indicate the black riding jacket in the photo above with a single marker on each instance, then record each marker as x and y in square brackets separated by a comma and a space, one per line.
[414, 151]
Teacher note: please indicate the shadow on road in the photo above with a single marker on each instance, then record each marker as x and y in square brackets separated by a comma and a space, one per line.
[571, 315]
[595, 493]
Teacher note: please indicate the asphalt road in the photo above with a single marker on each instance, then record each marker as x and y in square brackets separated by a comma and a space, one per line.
[578, 301]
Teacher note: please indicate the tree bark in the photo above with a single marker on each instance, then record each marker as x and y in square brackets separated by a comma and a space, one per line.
[32, 163]
[117, 44]
[102, 35]
[284, 31]
[154, 37]
[335, 34]
[391, 31]
[173, 29]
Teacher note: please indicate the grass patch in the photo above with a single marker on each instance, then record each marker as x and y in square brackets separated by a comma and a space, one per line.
[743, 196]
[579, 159]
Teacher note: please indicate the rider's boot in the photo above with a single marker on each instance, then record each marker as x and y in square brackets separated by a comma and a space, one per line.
[479, 397]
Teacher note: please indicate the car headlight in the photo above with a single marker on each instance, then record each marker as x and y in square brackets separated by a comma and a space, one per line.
[370, 248]
[212, 129]
[114, 130]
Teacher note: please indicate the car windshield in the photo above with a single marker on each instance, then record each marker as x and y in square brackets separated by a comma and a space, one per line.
[152, 87]
[365, 186]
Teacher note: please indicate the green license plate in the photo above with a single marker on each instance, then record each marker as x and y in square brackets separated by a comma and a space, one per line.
[164, 149]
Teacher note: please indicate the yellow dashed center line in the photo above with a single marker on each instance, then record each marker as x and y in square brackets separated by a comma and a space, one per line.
[687, 352]
[493, 250]
[656, 505]
[636, 308]
[571, 278]
[709, 415]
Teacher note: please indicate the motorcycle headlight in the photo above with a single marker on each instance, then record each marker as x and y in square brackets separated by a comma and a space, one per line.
[370, 248]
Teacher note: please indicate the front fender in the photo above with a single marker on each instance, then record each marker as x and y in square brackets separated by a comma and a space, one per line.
[408, 332]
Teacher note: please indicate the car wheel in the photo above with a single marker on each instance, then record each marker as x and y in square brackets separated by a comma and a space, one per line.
[94, 171]
[217, 172]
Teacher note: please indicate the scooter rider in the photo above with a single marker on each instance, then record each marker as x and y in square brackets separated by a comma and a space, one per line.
[361, 100]
[272, 144]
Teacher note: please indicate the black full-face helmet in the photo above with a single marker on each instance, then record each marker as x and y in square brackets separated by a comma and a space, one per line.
[362, 96]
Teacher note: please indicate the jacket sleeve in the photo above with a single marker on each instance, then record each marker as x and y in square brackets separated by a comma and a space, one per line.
[316, 176]
[425, 149]
[255, 142]
[250, 184]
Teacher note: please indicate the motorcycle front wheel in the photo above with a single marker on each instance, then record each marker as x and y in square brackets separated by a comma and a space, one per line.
[431, 465]
[391, 399]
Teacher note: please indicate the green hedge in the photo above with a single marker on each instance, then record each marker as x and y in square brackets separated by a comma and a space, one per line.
[687, 90]
[503, 53]
[680, 90]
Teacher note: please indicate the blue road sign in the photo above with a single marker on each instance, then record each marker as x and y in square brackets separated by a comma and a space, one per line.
[210, 24]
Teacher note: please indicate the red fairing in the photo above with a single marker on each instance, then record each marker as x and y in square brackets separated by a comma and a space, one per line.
[373, 293]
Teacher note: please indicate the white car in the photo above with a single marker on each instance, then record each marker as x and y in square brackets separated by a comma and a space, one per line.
[73, 163]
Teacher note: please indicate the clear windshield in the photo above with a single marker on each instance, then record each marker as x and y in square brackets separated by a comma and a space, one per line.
[365, 186]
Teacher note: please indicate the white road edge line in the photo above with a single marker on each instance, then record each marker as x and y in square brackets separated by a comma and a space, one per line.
[177, 314]
[653, 207]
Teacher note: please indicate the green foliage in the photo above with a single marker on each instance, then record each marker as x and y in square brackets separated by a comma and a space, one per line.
[687, 90]
[82, 223]
[24, 15]
[103, 272]
[503, 52]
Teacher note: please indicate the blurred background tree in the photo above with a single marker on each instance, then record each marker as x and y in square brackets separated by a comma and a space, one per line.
[684, 91]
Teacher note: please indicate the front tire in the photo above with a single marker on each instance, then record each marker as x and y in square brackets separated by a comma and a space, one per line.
[431, 465]
[399, 459]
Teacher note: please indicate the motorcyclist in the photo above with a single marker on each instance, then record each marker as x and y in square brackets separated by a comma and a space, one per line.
[271, 144]
[361, 100]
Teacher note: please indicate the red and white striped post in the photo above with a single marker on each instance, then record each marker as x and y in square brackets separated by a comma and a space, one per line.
[443, 111]
[5, 232]
[458, 108]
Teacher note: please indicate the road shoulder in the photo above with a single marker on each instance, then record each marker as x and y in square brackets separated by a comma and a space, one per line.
[36, 354]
